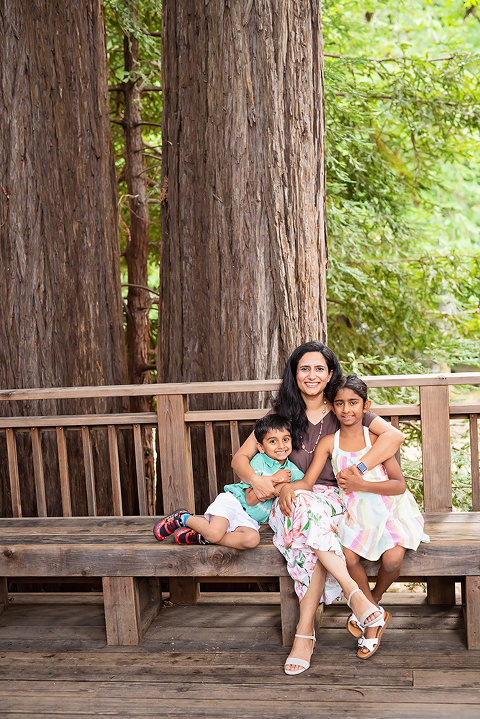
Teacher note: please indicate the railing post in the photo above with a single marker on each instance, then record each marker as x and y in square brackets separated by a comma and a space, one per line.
[436, 459]
[175, 453]
[437, 473]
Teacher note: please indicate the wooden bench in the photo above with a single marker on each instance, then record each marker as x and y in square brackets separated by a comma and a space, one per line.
[122, 551]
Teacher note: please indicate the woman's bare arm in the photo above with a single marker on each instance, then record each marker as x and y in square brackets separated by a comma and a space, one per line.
[264, 487]
[394, 485]
[389, 441]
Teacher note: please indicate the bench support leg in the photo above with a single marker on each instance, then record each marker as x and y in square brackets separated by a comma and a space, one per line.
[472, 611]
[441, 590]
[3, 595]
[130, 607]
[184, 590]
[290, 610]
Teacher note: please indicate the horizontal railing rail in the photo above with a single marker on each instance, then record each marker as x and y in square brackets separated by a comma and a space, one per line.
[79, 436]
[188, 388]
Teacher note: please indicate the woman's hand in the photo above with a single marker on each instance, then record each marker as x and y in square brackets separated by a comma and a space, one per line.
[351, 480]
[286, 500]
[264, 487]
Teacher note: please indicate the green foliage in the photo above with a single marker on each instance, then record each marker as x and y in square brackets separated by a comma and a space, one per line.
[141, 19]
[403, 178]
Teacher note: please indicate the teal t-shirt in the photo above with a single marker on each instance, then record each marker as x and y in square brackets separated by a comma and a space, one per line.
[264, 466]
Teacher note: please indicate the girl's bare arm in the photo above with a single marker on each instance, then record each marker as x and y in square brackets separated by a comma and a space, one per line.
[287, 493]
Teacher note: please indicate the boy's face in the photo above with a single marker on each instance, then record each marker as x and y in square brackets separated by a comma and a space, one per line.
[276, 444]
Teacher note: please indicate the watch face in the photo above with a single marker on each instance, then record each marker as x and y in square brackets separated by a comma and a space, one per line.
[362, 467]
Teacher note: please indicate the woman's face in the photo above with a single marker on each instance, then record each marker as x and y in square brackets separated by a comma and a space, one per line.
[312, 374]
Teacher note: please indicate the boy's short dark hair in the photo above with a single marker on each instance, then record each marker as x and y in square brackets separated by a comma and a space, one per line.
[270, 421]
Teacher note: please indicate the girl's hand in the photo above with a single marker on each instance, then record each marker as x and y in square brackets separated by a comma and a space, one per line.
[286, 500]
[350, 480]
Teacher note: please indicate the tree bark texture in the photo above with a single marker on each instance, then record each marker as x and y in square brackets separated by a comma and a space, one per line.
[244, 234]
[60, 299]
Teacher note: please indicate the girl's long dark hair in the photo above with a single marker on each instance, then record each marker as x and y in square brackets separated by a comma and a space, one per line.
[289, 402]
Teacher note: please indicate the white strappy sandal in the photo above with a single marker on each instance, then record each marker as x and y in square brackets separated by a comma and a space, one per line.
[301, 662]
[373, 643]
[356, 630]
[365, 614]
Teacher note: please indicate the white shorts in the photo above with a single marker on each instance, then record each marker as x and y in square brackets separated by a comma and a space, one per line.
[228, 506]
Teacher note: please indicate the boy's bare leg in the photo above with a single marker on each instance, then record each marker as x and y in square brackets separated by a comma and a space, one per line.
[389, 571]
[241, 538]
[302, 648]
[213, 530]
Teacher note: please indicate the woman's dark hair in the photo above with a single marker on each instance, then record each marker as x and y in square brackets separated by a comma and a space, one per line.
[354, 383]
[289, 402]
[270, 421]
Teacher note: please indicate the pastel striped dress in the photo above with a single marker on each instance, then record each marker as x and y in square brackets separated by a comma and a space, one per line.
[372, 522]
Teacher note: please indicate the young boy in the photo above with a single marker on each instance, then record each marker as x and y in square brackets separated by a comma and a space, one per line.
[234, 517]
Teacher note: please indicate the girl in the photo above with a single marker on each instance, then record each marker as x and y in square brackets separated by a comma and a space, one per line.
[381, 518]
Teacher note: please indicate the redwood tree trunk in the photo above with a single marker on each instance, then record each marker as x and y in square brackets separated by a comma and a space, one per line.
[61, 317]
[244, 236]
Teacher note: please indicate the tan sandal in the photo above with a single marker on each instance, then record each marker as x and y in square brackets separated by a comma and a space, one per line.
[373, 643]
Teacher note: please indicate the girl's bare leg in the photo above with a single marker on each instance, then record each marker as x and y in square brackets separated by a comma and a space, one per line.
[338, 569]
[389, 571]
[357, 572]
[302, 648]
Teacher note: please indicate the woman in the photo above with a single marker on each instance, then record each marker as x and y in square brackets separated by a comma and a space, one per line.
[305, 399]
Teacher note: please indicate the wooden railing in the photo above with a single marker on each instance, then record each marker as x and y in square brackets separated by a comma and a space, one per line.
[172, 423]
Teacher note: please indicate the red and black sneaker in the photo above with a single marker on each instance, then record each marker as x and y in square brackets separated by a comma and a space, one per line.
[189, 536]
[169, 524]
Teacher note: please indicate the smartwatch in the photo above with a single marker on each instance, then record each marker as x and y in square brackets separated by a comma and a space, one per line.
[362, 468]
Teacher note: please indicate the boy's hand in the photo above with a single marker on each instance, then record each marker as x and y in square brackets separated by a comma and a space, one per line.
[287, 500]
[350, 480]
[281, 476]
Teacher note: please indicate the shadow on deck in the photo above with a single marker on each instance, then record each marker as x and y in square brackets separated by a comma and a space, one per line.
[224, 661]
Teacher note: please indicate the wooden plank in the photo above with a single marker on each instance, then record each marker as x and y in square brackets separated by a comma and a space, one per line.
[115, 471]
[413, 380]
[235, 440]
[290, 610]
[140, 467]
[89, 471]
[63, 469]
[437, 475]
[184, 590]
[3, 594]
[175, 454]
[404, 412]
[211, 463]
[394, 421]
[472, 611]
[13, 473]
[38, 473]
[473, 425]
[441, 590]
[122, 610]
[77, 421]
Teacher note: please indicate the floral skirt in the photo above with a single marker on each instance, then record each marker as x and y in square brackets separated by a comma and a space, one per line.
[313, 525]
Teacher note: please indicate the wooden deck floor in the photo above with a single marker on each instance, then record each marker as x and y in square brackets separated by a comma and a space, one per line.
[224, 661]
